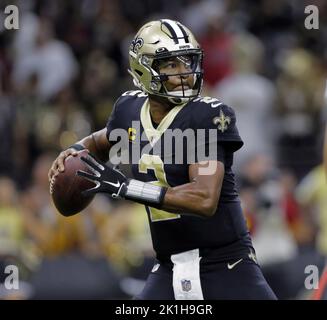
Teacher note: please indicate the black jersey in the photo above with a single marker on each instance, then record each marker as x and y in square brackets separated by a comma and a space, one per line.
[162, 155]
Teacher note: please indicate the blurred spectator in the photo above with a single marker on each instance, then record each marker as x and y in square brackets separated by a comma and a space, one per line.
[73, 260]
[302, 231]
[100, 85]
[261, 192]
[197, 14]
[57, 125]
[252, 96]
[53, 234]
[11, 224]
[13, 247]
[325, 147]
[7, 136]
[311, 195]
[216, 42]
[50, 61]
[300, 85]
[280, 233]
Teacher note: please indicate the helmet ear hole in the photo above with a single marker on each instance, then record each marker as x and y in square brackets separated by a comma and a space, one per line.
[154, 86]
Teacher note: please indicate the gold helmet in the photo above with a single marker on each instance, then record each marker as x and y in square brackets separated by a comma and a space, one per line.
[159, 40]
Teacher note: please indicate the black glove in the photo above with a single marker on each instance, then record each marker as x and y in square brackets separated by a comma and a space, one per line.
[112, 181]
[106, 179]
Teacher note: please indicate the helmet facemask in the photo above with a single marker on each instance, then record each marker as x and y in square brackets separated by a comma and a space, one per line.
[192, 63]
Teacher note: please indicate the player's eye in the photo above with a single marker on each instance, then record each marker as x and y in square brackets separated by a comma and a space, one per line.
[171, 65]
[168, 65]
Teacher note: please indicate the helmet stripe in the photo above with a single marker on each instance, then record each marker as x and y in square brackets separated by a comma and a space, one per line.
[184, 33]
[175, 30]
[171, 30]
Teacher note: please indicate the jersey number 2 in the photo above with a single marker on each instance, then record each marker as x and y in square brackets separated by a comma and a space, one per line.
[154, 162]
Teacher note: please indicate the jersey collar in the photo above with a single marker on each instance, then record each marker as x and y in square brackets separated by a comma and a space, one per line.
[154, 134]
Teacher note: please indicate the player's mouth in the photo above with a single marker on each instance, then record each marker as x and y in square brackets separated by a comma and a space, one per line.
[180, 88]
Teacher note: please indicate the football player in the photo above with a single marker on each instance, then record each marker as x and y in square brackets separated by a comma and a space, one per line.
[203, 248]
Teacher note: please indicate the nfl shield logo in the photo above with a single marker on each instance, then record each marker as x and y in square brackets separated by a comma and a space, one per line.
[186, 285]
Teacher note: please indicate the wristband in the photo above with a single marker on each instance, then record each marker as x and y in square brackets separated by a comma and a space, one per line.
[145, 192]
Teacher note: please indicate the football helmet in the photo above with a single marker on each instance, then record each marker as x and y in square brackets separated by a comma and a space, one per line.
[159, 41]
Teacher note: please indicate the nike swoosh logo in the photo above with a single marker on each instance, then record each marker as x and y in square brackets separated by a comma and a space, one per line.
[117, 184]
[155, 267]
[230, 266]
[216, 104]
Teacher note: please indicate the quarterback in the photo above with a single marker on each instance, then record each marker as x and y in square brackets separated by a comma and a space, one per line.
[202, 244]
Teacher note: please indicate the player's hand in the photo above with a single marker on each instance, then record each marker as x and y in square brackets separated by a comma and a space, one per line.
[105, 178]
[59, 164]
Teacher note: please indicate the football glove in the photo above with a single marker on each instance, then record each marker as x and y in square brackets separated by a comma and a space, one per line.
[112, 181]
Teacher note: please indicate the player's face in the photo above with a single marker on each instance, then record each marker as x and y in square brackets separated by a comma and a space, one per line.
[177, 66]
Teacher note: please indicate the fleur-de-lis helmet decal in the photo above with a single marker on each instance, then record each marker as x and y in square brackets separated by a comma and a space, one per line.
[136, 44]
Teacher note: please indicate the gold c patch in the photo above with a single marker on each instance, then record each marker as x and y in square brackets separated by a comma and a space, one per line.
[131, 134]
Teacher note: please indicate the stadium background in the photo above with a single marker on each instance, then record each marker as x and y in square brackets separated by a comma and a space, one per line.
[60, 74]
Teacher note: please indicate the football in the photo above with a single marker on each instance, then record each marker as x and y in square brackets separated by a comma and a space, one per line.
[67, 188]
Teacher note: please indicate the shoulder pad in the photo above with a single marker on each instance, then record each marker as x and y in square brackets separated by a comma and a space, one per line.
[130, 99]
[210, 113]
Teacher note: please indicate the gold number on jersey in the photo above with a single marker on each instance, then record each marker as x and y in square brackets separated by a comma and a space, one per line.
[154, 162]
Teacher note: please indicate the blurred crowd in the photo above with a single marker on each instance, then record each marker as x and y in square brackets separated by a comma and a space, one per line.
[60, 75]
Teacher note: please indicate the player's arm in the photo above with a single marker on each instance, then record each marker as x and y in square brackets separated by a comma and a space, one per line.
[97, 143]
[201, 195]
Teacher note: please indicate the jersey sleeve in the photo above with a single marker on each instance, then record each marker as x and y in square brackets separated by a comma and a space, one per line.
[216, 133]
